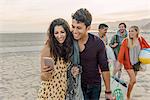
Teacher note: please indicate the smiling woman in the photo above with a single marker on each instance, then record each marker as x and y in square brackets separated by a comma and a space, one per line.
[129, 55]
[60, 70]
[60, 34]
[59, 49]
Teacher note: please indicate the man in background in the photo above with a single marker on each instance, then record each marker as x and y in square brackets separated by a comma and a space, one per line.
[115, 44]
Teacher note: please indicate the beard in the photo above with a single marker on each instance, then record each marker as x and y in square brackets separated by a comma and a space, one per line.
[131, 37]
[122, 31]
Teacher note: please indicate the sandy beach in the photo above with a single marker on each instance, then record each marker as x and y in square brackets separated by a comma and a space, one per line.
[20, 68]
[19, 76]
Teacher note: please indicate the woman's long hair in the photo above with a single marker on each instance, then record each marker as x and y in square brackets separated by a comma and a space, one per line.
[58, 50]
[131, 43]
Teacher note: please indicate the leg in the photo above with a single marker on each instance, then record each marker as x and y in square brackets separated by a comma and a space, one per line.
[119, 73]
[131, 83]
[135, 73]
[95, 92]
[85, 92]
[117, 68]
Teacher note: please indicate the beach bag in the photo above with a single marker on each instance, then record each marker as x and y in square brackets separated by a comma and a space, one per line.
[119, 88]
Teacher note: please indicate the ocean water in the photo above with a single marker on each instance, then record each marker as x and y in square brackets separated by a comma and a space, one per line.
[20, 42]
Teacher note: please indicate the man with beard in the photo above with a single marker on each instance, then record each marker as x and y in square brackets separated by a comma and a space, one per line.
[116, 40]
[115, 43]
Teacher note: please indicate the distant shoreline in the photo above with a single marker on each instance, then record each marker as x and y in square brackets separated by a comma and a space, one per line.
[93, 31]
[18, 42]
[22, 33]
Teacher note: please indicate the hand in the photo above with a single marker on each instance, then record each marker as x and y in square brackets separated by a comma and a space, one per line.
[75, 71]
[109, 96]
[47, 69]
[114, 45]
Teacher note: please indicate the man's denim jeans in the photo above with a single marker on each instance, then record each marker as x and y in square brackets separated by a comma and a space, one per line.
[91, 92]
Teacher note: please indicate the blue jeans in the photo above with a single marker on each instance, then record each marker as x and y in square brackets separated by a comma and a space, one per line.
[91, 92]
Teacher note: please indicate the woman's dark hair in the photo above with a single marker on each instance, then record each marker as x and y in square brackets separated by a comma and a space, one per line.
[58, 50]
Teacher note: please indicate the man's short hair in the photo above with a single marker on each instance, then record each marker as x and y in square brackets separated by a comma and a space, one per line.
[101, 26]
[123, 24]
[83, 15]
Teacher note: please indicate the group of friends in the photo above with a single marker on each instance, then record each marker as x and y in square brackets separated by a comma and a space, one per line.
[80, 58]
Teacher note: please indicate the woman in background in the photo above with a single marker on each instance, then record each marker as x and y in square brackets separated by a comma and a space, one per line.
[129, 55]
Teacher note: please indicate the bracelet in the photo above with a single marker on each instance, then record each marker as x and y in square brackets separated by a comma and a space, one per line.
[107, 92]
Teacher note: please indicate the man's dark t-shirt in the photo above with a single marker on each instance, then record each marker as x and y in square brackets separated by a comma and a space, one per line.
[93, 56]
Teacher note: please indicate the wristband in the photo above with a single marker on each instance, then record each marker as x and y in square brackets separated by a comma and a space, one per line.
[107, 92]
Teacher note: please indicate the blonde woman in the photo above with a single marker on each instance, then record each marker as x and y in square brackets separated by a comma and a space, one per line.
[128, 55]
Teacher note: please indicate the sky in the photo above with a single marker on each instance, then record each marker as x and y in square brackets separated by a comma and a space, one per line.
[36, 15]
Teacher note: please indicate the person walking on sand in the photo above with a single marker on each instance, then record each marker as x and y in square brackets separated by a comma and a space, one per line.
[128, 55]
[103, 36]
[92, 55]
[55, 76]
[115, 44]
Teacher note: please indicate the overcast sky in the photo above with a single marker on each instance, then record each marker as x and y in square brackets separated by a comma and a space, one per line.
[35, 15]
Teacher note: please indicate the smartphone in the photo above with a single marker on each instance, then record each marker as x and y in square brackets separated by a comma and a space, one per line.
[48, 61]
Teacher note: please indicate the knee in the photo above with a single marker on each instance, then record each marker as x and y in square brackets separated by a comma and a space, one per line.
[133, 81]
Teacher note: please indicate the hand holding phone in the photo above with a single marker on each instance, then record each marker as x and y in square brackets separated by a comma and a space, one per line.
[48, 64]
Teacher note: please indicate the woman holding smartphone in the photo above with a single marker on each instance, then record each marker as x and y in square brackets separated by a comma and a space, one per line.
[55, 58]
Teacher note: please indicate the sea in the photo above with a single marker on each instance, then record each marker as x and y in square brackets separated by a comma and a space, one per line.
[20, 42]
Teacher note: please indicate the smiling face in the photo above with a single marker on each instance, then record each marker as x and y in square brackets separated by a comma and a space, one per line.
[60, 34]
[79, 29]
[133, 33]
[122, 28]
[103, 31]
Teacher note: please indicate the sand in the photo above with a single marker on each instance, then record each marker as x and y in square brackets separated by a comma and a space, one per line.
[19, 76]
[20, 71]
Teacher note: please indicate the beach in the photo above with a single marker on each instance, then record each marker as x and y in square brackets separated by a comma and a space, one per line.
[20, 68]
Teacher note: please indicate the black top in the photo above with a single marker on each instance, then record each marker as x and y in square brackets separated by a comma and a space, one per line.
[91, 57]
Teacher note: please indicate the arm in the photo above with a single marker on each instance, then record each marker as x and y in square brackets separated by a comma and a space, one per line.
[106, 77]
[102, 59]
[45, 70]
[122, 51]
